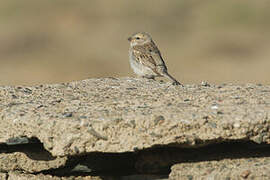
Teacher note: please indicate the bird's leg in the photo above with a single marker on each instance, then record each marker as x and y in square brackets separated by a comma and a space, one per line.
[174, 81]
[149, 77]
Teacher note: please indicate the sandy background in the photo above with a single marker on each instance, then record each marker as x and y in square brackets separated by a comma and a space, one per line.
[59, 41]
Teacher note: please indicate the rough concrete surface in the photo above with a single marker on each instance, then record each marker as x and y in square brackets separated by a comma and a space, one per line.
[134, 123]
[20, 161]
[233, 169]
[22, 176]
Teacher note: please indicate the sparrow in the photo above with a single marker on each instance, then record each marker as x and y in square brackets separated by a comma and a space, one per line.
[145, 58]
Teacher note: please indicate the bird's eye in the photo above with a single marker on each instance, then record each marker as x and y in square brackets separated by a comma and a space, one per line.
[137, 38]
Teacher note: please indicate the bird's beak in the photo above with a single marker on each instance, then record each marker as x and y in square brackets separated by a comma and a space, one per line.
[129, 39]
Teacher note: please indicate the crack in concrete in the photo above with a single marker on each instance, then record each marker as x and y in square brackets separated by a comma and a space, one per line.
[34, 149]
[156, 160]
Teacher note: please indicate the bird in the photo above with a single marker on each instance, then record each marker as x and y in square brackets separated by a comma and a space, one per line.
[145, 58]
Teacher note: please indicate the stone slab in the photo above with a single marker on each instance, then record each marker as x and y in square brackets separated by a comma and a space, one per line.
[20, 161]
[127, 114]
[233, 169]
[23, 176]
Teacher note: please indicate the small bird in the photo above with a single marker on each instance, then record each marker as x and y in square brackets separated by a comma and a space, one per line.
[145, 58]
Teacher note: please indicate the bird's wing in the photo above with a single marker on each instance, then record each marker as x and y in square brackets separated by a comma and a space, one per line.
[148, 55]
[155, 53]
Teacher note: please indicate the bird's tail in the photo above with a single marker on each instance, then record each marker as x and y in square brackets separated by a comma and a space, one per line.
[174, 81]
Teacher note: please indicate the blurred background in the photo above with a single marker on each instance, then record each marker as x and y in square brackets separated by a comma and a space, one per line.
[62, 40]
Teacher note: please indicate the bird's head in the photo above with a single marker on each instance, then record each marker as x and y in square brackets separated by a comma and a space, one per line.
[139, 38]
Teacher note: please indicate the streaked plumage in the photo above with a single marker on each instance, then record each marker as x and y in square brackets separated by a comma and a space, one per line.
[145, 58]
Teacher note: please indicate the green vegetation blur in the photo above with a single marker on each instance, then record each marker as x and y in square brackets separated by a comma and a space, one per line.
[61, 40]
